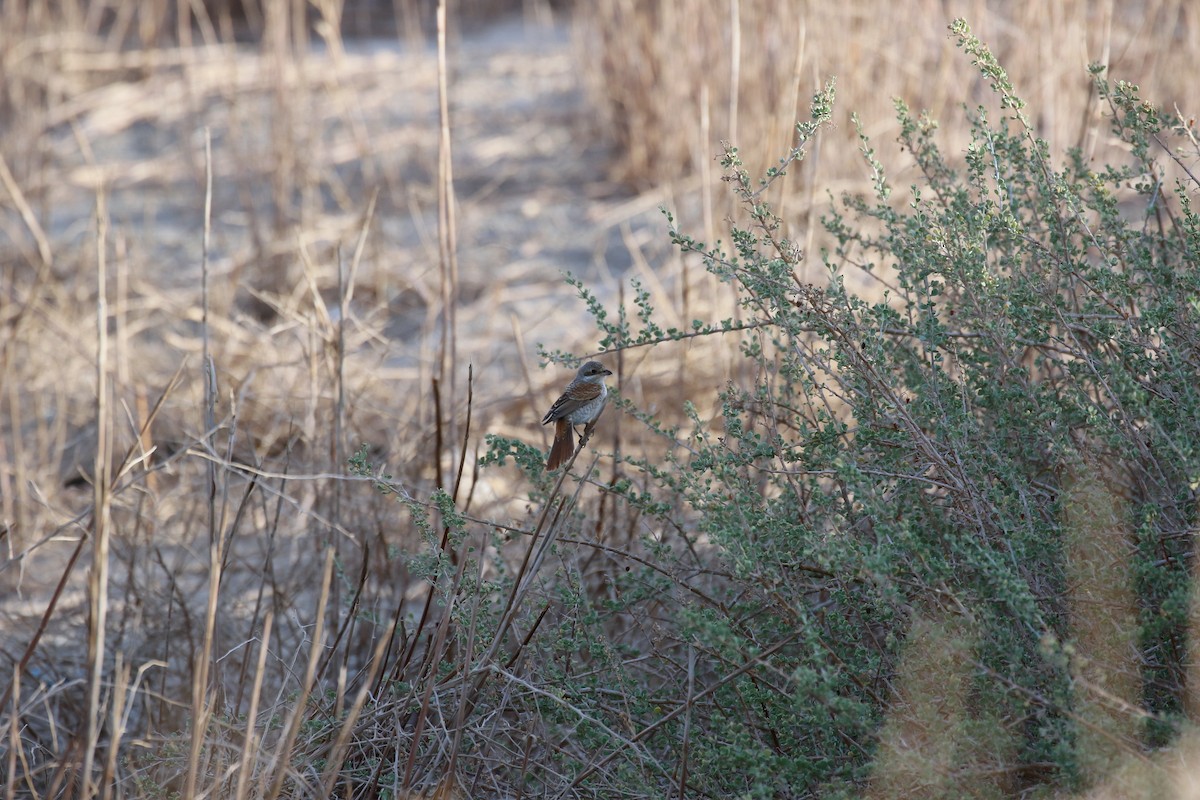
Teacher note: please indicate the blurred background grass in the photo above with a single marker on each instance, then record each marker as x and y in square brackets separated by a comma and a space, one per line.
[571, 124]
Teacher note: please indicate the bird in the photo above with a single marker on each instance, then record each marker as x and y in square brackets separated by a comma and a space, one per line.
[580, 404]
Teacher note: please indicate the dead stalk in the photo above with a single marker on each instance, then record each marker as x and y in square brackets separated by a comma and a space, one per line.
[101, 502]
[250, 740]
[280, 762]
[447, 232]
[201, 660]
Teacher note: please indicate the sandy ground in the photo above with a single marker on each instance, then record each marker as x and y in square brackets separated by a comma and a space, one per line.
[529, 170]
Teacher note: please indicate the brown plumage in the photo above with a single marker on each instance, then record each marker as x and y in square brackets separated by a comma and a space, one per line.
[580, 404]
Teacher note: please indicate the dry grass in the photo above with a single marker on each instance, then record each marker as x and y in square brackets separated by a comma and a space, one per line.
[680, 76]
[252, 337]
[185, 369]
[267, 307]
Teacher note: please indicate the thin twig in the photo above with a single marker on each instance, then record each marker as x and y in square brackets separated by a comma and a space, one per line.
[663, 720]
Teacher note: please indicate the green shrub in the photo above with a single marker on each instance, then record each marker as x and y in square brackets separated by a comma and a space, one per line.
[1024, 392]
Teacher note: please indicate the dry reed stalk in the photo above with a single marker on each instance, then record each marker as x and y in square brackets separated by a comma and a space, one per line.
[250, 740]
[447, 236]
[280, 760]
[116, 727]
[201, 659]
[101, 510]
[45, 252]
[735, 65]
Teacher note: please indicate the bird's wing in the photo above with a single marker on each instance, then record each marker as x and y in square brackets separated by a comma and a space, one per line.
[576, 395]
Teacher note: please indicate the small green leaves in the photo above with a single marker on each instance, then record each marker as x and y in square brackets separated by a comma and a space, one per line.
[988, 66]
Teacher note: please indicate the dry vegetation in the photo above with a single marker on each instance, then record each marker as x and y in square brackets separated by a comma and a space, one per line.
[681, 76]
[195, 594]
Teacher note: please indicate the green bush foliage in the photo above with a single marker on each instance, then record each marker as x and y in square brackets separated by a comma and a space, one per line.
[934, 460]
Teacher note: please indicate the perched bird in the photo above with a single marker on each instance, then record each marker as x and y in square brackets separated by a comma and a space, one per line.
[580, 404]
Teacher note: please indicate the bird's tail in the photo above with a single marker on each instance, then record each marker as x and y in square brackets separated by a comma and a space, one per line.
[563, 447]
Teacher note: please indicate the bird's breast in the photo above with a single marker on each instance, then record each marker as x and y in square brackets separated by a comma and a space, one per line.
[590, 410]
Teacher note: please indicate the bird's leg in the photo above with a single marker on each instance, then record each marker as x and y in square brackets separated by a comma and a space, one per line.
[588, 430]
